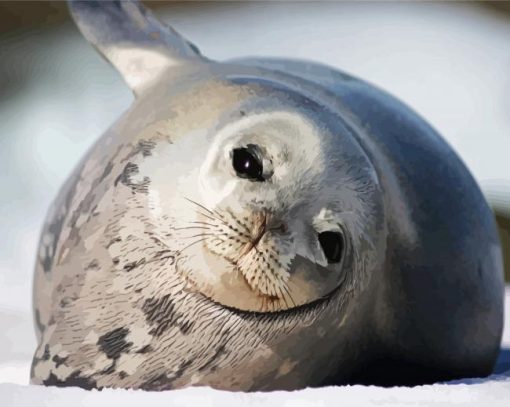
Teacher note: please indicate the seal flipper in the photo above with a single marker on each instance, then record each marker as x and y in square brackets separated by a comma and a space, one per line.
[137, 44]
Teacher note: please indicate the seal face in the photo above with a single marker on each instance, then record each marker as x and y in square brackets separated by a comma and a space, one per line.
[270, 225]
[257, 225]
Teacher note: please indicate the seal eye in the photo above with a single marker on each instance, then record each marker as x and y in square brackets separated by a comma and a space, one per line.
[246, 164]
[332, 244]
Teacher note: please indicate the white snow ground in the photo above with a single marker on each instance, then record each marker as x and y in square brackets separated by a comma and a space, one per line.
[449, 62]
[493, 393]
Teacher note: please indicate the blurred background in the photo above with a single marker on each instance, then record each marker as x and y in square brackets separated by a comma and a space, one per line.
[448, 61]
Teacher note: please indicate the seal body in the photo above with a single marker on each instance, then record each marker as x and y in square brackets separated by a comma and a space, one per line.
[351, 246]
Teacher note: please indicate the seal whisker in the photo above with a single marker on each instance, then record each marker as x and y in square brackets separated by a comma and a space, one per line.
[204, 223]
[206, 216]
[155, 259]
[219, 214]
[204, 234]
[290, 295]
[202, 206]
[191, 244]
[280, 289]
[211, 213]
[192, 227]
[212, 217]
[158, 239]
[263, 304]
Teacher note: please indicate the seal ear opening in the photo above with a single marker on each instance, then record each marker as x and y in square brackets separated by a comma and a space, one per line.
[138, 45]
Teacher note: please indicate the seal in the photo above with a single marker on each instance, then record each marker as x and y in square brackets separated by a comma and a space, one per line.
[260, 224]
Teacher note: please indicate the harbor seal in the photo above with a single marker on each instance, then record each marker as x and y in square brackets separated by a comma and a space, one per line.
[260, 224]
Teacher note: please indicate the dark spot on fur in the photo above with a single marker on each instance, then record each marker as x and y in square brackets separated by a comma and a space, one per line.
[83, 207]
[54, 227]
[64, 204]
[114, 343]
[115, 260]
[161, 314]
[115, 240]
[122, 375]
[186, 326]
[73, 380]
[110, 369]
[38, 323]
[58, 360]
[143, 146]
[164, 254]
[94, 213]
[93, 265]
[47, 261]
[125, 178]
[46, 354]
[146, 147]
[64, 302]
[145, 349]
[134, 264]
[107, 170]
[32, 367]
[161, 253]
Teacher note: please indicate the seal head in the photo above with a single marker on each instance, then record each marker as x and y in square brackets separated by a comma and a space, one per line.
[269, 210]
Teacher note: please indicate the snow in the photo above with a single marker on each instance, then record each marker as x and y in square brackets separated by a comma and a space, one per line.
[495, 391]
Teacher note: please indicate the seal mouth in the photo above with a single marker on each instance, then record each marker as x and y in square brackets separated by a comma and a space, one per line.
[267, 224]
[315, 305]
[249, 262]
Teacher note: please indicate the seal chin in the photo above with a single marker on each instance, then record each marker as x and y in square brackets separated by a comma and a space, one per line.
[261, 272]
[230, 288]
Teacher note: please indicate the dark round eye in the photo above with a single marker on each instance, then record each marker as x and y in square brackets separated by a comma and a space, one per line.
[332, 244]
[246, 164]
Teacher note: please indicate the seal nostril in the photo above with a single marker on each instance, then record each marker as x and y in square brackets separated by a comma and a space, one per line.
[282, 228]
[279, 227]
